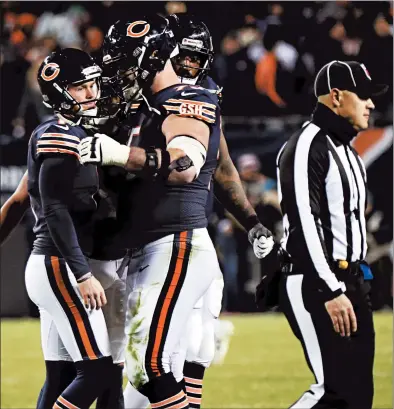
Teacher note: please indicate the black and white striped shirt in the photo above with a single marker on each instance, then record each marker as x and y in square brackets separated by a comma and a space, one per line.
[322, 190]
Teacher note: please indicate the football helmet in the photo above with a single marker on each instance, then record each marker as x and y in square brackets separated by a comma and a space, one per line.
[61, 69]
[134, 51]
[195, 45]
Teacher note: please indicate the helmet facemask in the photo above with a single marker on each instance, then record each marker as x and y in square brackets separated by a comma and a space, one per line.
[130, 84]
[191, 66]
[123, 73]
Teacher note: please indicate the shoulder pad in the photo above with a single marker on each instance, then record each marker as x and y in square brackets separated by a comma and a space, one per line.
[59, 139]
[213, 88]
[192, 101]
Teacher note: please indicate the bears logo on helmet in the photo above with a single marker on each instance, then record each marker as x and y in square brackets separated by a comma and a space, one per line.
[131, 33]
[53, 69]
[123, 51]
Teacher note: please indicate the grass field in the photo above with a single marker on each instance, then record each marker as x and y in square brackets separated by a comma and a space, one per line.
[263, 369]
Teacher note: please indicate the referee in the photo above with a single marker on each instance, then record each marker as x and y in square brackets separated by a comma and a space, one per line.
[325, 288]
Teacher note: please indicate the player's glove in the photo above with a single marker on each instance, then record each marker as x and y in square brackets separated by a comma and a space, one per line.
[261, 239]
[103, 150]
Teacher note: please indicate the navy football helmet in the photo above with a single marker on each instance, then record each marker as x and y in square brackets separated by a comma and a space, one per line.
[134, 51]
[195, 48]
[60, 69]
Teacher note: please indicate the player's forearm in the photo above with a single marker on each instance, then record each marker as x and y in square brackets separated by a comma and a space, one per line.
[229, 190]
[136, 159]
[11, 214]
[230, 193]
[177, 164]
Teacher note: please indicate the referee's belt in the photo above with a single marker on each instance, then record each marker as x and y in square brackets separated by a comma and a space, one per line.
[344, 266]
[358, 268]
[340, 267]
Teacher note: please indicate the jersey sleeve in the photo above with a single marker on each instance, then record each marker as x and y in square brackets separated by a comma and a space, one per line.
[56, 180]
[193, 102]
[57, 141]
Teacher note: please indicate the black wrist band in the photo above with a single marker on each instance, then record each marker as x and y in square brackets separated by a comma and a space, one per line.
[250, 222]
[151, 163]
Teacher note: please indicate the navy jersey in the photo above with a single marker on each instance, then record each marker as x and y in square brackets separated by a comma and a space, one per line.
[61, 193]
[153, 207]
[107, 245]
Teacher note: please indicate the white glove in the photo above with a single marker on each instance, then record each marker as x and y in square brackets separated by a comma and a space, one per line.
[103, 150]
[262, 246]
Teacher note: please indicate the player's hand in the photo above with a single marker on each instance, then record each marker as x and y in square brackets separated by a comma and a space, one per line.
[175, 154]
[342, 315]
[103, 150]
[261, 239]
[92, 293]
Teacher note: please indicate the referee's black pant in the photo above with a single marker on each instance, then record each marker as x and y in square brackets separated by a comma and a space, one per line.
[342, 366]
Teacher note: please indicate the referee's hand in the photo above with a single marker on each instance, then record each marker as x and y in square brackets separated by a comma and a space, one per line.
[342, 315]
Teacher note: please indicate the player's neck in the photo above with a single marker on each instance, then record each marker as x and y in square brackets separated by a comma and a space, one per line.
[164, 79]
[65, 119]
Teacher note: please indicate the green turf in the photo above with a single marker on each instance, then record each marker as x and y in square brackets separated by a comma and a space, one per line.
[263, 369]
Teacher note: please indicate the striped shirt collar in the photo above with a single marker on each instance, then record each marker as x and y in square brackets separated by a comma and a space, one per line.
[335, 125]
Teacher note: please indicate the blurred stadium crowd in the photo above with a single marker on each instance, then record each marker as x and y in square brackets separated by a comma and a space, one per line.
[267, 54]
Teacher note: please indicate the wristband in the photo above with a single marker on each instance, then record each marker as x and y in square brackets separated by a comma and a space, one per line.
[84, 278]
[151, 163]
[250, 222]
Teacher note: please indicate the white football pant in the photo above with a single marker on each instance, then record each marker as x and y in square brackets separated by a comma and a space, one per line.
[69, 331]
[165, 281]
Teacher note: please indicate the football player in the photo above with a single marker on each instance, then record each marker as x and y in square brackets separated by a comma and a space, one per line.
[192, 66]
[174, 261]
[105, 260]
[58, 277]
[161, 206]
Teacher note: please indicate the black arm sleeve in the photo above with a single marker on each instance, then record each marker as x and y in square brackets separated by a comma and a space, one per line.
[56, 185]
